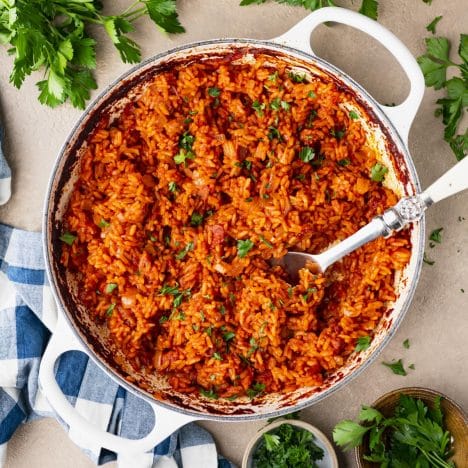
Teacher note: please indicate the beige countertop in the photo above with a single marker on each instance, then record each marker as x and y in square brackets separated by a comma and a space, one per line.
[436, 322]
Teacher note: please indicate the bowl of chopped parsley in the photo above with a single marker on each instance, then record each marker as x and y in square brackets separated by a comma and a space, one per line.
[408, 427]
[289, 444]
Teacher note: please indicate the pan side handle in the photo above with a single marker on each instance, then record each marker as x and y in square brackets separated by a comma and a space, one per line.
[82, 431]
[401, 116]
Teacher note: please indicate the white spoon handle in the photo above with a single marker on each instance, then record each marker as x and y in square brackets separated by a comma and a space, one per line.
[453, 181]
[407, 210]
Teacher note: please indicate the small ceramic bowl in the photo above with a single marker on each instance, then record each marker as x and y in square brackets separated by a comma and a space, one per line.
[329, 459]
[455, 421]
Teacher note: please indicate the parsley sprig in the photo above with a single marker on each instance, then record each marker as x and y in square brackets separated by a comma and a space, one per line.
[52, 35]
[434, 65]
[413, 436]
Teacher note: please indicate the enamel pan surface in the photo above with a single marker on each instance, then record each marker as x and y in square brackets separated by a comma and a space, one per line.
[96, 341]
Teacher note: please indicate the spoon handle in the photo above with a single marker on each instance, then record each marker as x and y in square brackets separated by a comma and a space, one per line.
[375, 228]
[407, 210]
[453, 181]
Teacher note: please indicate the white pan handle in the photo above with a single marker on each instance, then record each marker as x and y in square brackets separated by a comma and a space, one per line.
[402, 116]
[166, 421]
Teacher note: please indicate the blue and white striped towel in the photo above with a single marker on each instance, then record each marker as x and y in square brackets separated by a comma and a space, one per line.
[27, 317]
[5, 174]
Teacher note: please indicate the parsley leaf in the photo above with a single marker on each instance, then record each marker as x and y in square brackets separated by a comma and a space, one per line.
[209, 394]
[406, 343]
[431, 27]
[110, 310]
[436, 235]
[110, 287]
[244, 247]
[362, 343]
[369, 8]
[259, 108]
[396, 367]
[214, 92]
[306, 154]
[196, 219]
[172, 186]
[181, 255]
[378, 172]
[255, 390]
[68, 238]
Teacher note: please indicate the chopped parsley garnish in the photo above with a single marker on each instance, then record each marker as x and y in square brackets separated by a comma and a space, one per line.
[273, 133]
[172, 186]
[427, 260]
[278, 104]
[103, 223]
[110, 309]
[431, 27]
[209, 330]
[186, 141]
[185, 144]
[217, 356]
[110, 287]
[265, 242]
[353, 115]
[273, 76]
[338, 134]
[214, 92]
[378, 172]
[290, 291]
[68, 238]
[311, 95]
[164, 318]
[412, 366]
[296, 77]
[436, 235]
[259, 108]
[287, 446]
[244, 247]
[196, 219]
[406, 343]
[344, 162]
[181, 255]
[229, 336]
[362, 343]
[308, 293]
[248, 200]
[306, 154]
[396, 367]
[256, 389]
[166, 289]
[209, 393]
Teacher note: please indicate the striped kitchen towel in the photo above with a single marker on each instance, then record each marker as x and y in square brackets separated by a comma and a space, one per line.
[5, 174]
[27, 317]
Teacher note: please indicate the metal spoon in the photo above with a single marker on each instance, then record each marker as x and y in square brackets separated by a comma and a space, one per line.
[407, 210]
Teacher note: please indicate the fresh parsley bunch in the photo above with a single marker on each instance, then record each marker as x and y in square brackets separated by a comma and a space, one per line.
[51, 35]
[434, 65]
[368, 7]
[413, 437]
